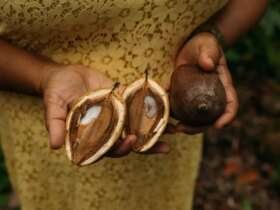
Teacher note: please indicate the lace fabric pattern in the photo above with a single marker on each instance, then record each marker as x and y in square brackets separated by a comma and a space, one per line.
[119, 38]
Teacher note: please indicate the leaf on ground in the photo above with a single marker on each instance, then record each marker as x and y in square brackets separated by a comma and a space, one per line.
[232, 167]
[246, 205]
[4, 198]
[249, 177]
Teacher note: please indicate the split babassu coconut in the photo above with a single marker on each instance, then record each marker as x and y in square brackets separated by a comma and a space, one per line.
[99, 118]
[147, 112]
[93, 126]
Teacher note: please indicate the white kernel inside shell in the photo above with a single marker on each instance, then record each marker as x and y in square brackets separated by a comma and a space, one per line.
[91, 114]
[150, 106]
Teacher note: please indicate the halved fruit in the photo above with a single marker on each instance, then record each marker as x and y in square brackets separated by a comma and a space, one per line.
[147, 112]
[93, 125]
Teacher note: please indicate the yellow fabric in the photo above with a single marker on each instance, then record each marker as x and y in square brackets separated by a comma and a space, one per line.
[119, 38]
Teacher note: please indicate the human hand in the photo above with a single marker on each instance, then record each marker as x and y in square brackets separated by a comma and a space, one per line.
[61, 86]
[204, 50]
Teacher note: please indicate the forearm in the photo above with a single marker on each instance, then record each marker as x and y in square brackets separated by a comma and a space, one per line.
[238, 17]
[20, 70]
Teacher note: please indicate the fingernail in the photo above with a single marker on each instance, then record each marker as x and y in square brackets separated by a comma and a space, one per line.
[180, 128]
[210, 61]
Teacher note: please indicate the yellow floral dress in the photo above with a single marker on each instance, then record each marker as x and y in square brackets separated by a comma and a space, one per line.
[119, 38]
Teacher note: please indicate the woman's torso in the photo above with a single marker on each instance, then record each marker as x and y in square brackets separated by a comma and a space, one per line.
[119, 38]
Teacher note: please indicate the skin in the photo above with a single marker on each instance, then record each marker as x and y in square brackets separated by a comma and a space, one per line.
[62, 85]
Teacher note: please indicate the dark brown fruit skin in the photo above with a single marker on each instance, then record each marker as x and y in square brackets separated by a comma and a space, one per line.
[197, 98]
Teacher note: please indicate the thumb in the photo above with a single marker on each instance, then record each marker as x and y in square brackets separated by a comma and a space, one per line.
[55, 117]
[209, 56]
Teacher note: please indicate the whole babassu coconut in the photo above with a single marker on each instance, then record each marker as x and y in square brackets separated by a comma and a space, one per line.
[197, 97]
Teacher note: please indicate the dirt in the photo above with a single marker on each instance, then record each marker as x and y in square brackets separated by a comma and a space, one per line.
[240, 170]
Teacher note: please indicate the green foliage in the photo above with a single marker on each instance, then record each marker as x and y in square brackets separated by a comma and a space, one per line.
[276, 177]
[4, 183]
[246, 205]
[259, 52]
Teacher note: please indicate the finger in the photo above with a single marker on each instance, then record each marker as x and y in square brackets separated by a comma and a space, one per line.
[170, 129]
[223, 72]
[190, 129]
[56, 111]
[159, 147]
[231, 109]
[122, 147]
[209, 56]
[187, 56]
[231, 98]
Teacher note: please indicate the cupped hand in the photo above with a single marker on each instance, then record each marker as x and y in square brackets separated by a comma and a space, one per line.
[204, 50]
[62, 86]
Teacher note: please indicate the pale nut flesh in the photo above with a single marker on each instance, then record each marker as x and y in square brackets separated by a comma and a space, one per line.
[147, 112]
[93, 125]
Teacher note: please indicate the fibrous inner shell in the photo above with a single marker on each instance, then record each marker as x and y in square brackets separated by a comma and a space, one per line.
[91, 126]
[145, 111]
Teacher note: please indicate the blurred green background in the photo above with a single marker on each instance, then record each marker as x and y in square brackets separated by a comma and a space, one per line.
[254, 60]
[258, 53]
[4, 184]
[240, 169]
